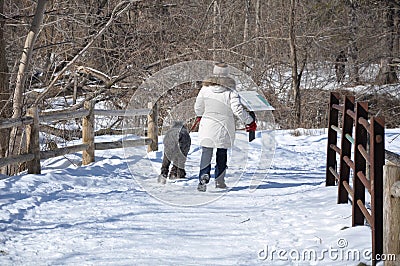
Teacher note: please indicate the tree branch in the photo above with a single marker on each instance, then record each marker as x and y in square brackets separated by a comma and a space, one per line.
[117, 11]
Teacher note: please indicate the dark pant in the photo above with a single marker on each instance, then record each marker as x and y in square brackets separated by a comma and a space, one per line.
[205, 162]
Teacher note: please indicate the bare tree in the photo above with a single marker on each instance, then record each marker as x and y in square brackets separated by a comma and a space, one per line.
[22, 71]
[296, 77]
[353, 46]
[257, 29]
[119, 9]
[280, 50]
[26, 57]
[387, 73]
[4, 90]
[216, 29]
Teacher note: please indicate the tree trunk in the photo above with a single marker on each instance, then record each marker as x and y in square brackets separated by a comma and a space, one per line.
[353, 48]
[396, 41]
[4, 89]
[26, 56]
[246, 33]
[22, 70]
[387, 72]
[5, 107]
[215, 29]
[257, 28]
[246, 21]
[293, 62]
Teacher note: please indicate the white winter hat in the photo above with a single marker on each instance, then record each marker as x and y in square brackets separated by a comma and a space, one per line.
[221, 70]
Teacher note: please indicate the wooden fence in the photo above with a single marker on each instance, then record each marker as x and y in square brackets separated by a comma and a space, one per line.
[363, 155]
[32, 122]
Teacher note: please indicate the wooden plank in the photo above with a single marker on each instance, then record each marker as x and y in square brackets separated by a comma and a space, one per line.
[335, 148]
[337, 129]
[98, 146]
[391, 215]
[351, 113]
[124, 113]
[334, 173]
[360, 160]
[395, 190]
[333, 123]
[63, 151]
[122, 144]
[366, 213]
[345, 146]
[348, 188]
[365, 123]
[88, 133]
[363, 179]
[349, 162]
[349, 138]
[32, 141]
[62, 116]
[377, 151]
[110, 131]
[15, 122]
[16, 159]
[364, 153]
[338, 107]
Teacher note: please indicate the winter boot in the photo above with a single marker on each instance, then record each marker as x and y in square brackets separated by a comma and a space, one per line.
[204, 179]
[220, 182]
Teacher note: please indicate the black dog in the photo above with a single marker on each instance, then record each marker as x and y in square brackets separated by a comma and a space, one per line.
[176, 148]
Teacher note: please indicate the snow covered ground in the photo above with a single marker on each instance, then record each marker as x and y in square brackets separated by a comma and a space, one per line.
[113, 212]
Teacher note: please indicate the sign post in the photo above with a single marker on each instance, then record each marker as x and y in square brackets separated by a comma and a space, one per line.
[253, 101]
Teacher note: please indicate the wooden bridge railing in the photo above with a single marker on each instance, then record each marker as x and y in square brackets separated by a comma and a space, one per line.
[368, 149]
[32, 122]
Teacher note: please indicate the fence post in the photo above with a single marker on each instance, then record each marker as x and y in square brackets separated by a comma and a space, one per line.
[347, 128]
[360, 141]
[377, 150]
[88, 133]
[152, 131]
[32, 141]
[332, 139]
[391, 214]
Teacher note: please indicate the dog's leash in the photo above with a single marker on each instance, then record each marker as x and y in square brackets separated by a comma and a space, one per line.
[195, 124]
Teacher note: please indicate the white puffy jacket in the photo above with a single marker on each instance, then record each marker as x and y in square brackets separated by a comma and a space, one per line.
[217, 106]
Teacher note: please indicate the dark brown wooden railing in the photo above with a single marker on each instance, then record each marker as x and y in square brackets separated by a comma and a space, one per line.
[363, 155]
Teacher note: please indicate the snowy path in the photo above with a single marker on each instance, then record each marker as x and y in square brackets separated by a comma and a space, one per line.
[98, 215]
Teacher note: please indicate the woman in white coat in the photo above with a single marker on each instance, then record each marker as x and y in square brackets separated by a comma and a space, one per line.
[216, 105]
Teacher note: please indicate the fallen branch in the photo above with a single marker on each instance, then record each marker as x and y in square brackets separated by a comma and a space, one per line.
[95, 73]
